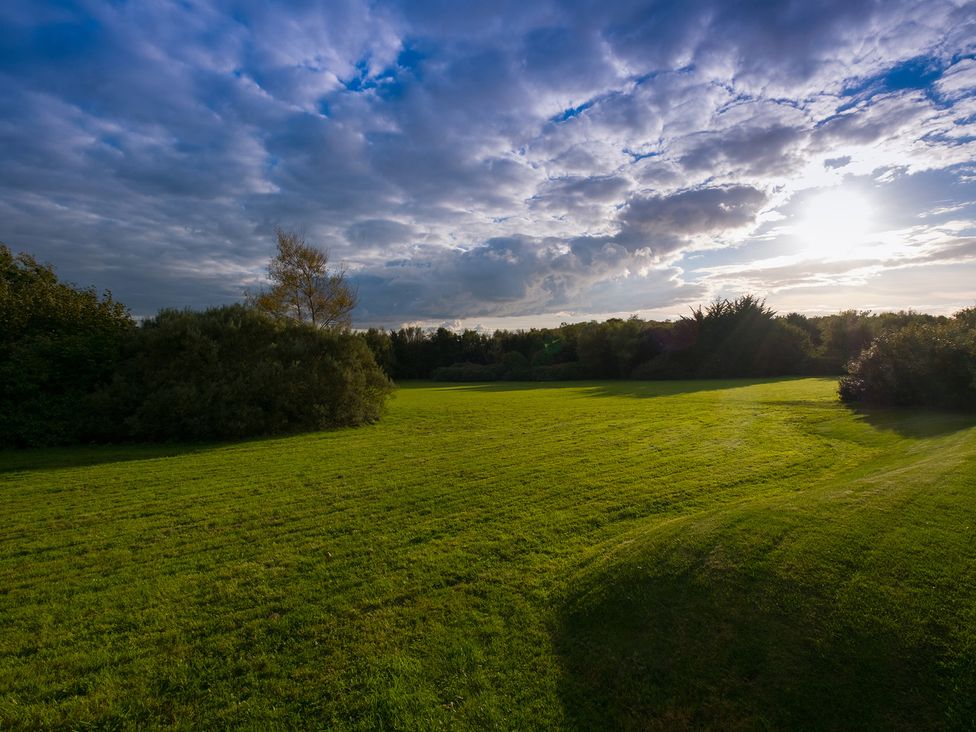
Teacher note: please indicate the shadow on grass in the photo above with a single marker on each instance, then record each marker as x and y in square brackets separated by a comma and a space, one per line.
[703, 650]
[913, 423]
[613, 387]
[54, 458]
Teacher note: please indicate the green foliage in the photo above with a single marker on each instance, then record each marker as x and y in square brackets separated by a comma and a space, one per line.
[605, 555]
[612, 349]
[467, 372]
[413, 354]
[514, 366]
[566, 371]
[58, 344]
[304, 287]
[742, 337]
[726, 339]
[416, 354]
[381, 344]
[845, 336]
[922, 364]
[806, 325]
[73, 367]
[729, 338]
[231, 372]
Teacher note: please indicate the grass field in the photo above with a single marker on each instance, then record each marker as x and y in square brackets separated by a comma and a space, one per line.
[595, 555]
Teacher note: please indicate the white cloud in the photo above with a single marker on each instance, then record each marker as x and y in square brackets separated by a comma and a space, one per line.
[512, 160]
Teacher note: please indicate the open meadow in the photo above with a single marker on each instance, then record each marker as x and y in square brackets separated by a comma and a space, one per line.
[735, 554]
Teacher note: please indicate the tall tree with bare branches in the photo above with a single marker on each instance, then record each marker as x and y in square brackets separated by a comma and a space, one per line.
[304, 287]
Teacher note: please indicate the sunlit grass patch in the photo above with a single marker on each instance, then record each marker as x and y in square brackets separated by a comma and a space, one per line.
[508, 556]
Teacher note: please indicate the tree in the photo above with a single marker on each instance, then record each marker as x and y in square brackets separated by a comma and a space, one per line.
[232, 372]
[58, 344]
[731, 334]
[303, 287]
[846, 335]
[930, 364]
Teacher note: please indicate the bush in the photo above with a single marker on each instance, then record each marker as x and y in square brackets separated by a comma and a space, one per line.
[231, 372]
[381, 345]
[515, 367]
[569, 371]
[467, 372]
[784, 351]
[668, 365]
[845, 335]
[743, 338]
[923, 364]
[58, 345]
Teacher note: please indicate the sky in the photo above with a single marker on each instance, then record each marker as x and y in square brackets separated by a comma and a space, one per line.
[503, 164]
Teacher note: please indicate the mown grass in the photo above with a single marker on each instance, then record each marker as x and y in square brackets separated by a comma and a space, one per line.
[630, 555]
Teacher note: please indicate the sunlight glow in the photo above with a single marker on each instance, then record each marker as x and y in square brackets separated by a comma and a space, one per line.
[836, 224]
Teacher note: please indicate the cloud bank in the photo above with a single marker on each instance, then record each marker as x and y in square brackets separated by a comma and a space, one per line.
[499, 163]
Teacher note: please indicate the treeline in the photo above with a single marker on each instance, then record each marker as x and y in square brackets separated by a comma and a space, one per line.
[732, 338]
[75, 367]
[931, 364]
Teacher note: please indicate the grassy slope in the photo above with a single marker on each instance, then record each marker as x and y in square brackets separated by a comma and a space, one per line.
[635, 555]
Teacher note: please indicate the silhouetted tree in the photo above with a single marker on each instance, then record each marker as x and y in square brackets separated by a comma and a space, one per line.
[808, 326]
[57, 345]
[922, 364]
[381, 344]
[845, 335]
[233, 372]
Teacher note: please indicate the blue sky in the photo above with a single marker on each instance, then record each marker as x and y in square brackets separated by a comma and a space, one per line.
[498, 164]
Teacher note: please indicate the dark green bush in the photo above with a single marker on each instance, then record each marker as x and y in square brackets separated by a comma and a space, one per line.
[569, 371]
[58, 345]
[923, 364]
[668, 365]
[468, 372]
[231, 372]
[744, 338]
[784, 350]
[515, 367]
[381, 345]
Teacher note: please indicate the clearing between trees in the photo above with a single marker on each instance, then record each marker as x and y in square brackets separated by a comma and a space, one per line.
[505, 555]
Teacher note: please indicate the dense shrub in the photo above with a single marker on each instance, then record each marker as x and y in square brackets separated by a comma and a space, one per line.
[668, 365]
[743, 338]
[612, 349]
[925, 364]
[380, 343]
[231, 372]
[58, 344]
[467, 372]
[568, 371]
[845, 335]
[514, 366]
[784, 350]
[512, 369]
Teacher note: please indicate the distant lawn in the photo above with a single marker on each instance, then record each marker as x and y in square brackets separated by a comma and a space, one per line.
[510, 556]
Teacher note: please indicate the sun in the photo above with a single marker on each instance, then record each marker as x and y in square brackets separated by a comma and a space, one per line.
[835, 224]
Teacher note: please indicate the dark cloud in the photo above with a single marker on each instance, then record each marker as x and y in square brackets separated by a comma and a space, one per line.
[495, 159]
[834, 163]
[752, 150]
[379, 234]
[665, 223]
[515, 276]
[585, 197]
[518, 275]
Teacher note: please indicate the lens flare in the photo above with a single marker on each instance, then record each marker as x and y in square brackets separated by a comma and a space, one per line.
[835, 224]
